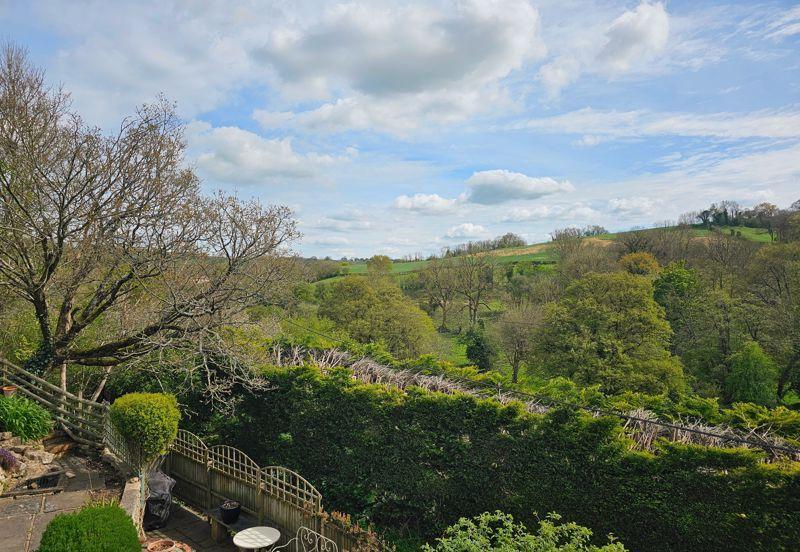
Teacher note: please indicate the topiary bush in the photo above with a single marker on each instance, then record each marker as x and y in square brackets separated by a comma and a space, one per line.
[148, 422]
[104, 528]
[24, 418]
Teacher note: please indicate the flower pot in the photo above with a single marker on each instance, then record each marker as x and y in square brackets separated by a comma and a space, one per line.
[166, 545]
[229, 511]
[9, 390]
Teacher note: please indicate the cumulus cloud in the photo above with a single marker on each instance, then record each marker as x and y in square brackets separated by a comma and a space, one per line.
[343, 223]
[396, 67]
[429, 203]
[635, 37]
[599, 125]
[465, 231]
[499, 186]
[630, 42]
[231, 154]
[633, 206]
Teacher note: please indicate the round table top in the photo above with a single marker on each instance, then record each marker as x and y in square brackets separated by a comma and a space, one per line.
[256, 537]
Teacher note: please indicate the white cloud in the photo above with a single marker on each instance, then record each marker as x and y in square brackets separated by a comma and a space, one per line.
[465, 231]
[327, 240]
[499, 186]
[343, 223]
[633, 206]
[786, 25]
[230, 154]
[528, 214]
[598, 125]
[396, 68]
[630, 43]
[635, 38]
[427, 203]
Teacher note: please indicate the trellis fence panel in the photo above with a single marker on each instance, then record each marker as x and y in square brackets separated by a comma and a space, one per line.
[205, 476]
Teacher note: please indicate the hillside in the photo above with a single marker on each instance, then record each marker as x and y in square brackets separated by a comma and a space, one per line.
[544, 253]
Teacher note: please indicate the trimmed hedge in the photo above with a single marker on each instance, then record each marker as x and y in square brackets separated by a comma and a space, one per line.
[24, 418]
[105, 528]
[148, 422]
[423, 460]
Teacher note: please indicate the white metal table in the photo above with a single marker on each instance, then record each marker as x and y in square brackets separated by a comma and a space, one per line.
[256, 537]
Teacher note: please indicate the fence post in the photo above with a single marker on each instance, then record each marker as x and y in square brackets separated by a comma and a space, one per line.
[209, 496]
[262, 497]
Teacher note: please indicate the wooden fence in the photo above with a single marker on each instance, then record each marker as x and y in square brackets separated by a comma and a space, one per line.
[205, 476]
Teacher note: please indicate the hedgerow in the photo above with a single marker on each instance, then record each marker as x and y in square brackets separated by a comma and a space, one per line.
[422, 460]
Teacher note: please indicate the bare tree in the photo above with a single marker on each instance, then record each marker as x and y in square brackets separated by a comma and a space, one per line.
[438, 281]
[515, 334]
[108, 239]
[567, 241]
[474, 277]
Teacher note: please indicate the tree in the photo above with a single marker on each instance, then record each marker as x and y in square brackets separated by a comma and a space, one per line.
[608, 330]
[438, 280]
[379, 265]
[110, 243]
[642, 264]
[514, 334]
[375, 310]
[474, 277]
[773, 283]
[753, 376]
[481, 350]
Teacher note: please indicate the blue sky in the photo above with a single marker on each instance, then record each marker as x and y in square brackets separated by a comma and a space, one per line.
[403, 127]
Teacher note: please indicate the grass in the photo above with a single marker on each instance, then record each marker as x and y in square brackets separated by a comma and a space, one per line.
[548, 254]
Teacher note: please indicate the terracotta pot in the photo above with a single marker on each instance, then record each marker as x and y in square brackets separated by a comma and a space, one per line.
[9, 390]
[166, 545]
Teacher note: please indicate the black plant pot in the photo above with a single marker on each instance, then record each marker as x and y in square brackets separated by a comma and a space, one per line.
[229, 511]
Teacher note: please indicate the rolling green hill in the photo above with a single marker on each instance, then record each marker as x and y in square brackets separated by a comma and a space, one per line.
[545, 253]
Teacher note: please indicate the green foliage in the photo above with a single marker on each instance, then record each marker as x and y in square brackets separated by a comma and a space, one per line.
[640, 263]
[24, 418]
[753, 377]
[481, 351]
[105, 528]
[675, 281]
[375, 310]
[148, 422]
[420, 461]
[379, 264]
[608, 330]
[498, 532]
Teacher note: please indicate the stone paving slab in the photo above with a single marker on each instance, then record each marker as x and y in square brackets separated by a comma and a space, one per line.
[66, 501]
[38, 526]
[10, 507]
[14, 532]
[187, 526]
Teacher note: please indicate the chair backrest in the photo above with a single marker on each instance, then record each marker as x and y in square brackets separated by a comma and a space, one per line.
[308, 540]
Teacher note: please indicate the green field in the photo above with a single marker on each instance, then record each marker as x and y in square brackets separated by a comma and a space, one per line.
[548, 253]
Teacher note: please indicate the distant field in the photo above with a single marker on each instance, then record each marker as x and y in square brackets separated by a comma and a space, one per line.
[544, 252]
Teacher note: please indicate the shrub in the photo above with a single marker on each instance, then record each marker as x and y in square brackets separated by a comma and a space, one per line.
[105, 528]
[419, 461]
[753, 377]
[148, 422]
[641, 263]
[24, 418]
[498, 532]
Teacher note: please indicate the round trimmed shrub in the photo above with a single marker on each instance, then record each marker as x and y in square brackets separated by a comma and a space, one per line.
[24, 418]
[103, 528]
[148, 422]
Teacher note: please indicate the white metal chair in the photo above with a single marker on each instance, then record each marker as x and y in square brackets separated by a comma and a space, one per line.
[307, 540]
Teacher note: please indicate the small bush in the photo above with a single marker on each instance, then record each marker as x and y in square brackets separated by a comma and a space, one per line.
[148, 422]
[24, 418]
[104, 528]
[498, 532]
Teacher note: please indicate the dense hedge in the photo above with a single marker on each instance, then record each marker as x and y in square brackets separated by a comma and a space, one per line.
[103, 528]
[423, 460]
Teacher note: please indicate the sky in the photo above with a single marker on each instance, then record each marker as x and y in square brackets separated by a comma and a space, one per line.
[400, 128]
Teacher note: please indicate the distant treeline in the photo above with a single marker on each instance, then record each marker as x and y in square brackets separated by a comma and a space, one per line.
[777, 221]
